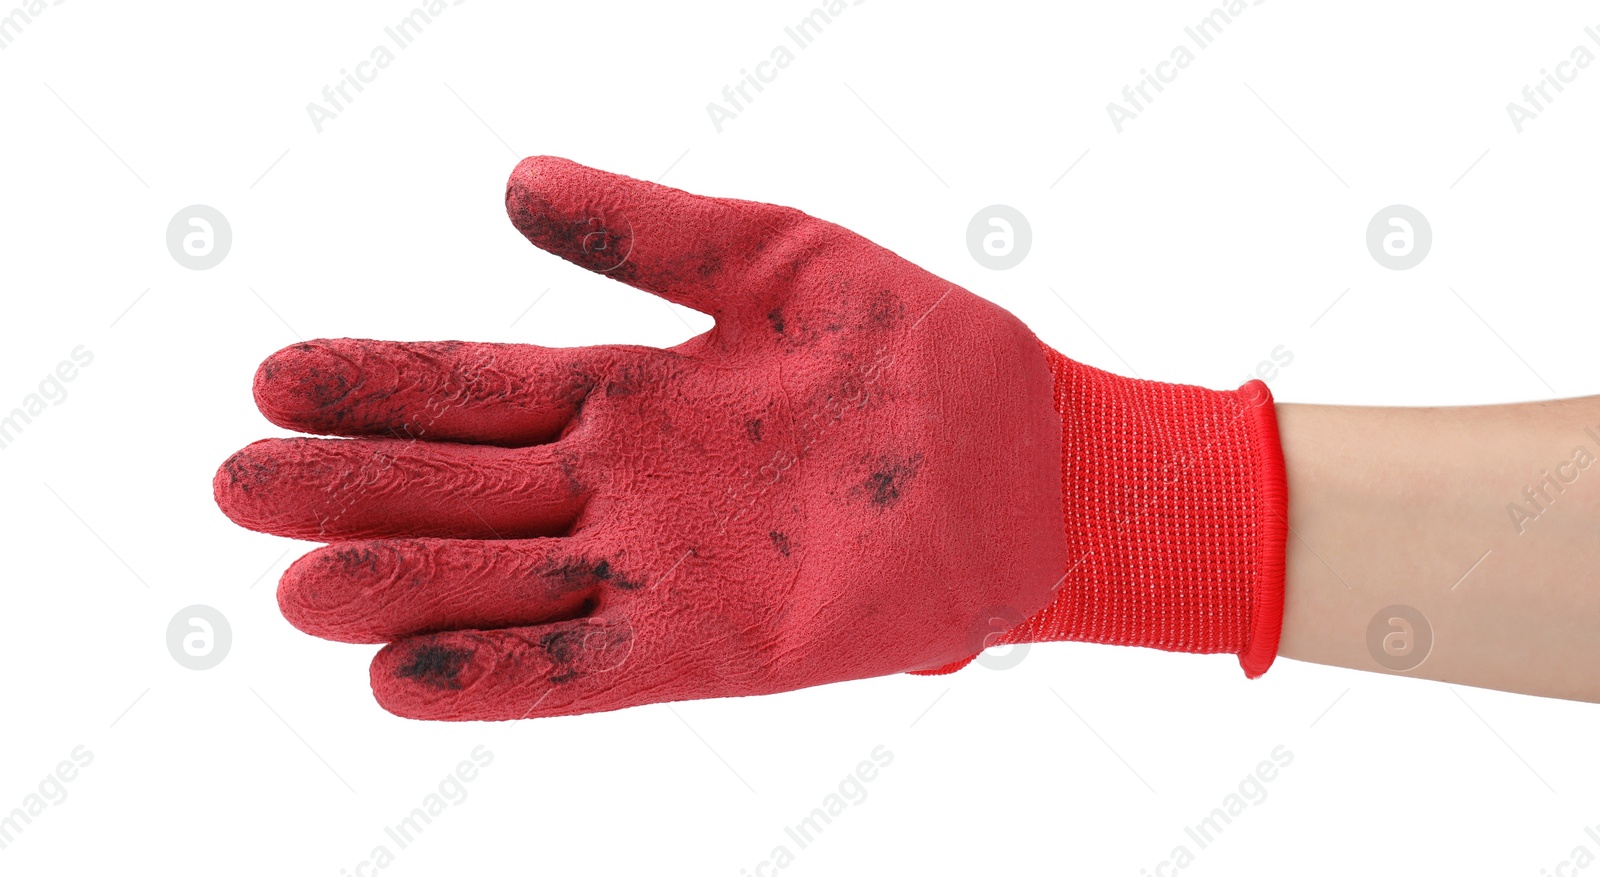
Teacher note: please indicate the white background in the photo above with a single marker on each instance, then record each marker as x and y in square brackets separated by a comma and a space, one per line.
[1221, 223]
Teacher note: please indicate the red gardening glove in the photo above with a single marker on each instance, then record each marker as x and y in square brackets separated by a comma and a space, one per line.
[854, 473]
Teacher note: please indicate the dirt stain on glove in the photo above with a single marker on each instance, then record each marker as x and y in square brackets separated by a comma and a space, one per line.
[884, 486]
[435, 666]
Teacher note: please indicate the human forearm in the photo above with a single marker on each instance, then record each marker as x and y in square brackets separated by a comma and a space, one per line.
[1411, 507]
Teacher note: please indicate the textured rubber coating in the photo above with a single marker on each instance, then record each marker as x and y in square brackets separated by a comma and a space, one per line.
[832, 483]
[856, 470]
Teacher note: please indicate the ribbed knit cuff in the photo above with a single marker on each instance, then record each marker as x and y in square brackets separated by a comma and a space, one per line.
[1175, 513]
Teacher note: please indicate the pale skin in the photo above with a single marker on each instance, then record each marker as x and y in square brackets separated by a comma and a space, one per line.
[1409, 506]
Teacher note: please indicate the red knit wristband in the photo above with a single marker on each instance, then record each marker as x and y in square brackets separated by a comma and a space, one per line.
[1175, 513]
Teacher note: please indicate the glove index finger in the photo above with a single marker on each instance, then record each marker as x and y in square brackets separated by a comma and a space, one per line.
[721, 256]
